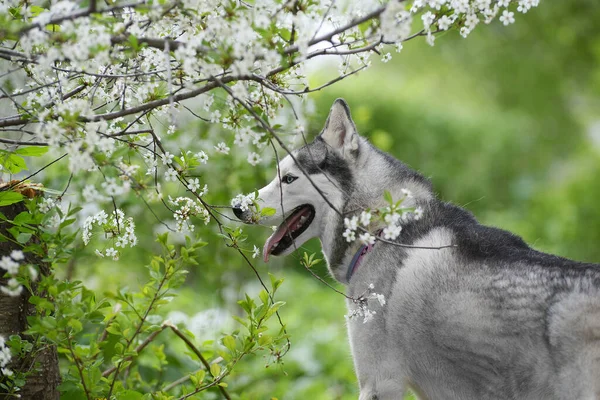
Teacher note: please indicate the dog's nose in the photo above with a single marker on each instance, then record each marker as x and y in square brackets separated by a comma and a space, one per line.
[238, 211]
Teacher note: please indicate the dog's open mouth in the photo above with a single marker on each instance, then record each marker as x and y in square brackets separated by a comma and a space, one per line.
[290, 229]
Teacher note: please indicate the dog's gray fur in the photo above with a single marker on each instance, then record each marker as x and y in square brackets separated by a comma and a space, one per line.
[490, 318]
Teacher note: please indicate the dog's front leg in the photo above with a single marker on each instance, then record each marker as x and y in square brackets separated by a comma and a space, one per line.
[384, 390]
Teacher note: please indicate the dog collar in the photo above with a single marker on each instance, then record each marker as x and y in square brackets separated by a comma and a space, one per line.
[364, 249]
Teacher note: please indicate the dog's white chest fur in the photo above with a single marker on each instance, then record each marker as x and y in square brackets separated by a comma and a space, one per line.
[383, 347]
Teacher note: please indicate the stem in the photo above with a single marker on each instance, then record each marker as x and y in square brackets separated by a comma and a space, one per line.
[200, 356]
[80, 369]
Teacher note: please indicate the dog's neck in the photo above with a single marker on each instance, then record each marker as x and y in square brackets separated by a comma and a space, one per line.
[373, 175]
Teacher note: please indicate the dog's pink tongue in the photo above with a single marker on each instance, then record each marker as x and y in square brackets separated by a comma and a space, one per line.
[292, 222]
[273, 240]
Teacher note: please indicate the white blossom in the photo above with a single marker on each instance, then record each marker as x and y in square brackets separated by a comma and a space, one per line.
[5, 357]
[350, 235]
[111, 252]
[418, 213]
[391, 232]
[167, 158]
[33, 272]
[13, 288]
[222, 148]
[170, 175]
[430, 38]
[194, 184]
[379, 297]
[507, 17]
[202, 157]
[428, 19]
[17, 255]
[445, 22]
[366, 238]
[351, 223]
[254, 158]
[365, 218]
[46, 204]
[8, 264]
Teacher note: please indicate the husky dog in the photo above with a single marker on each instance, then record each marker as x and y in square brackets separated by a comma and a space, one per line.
[485, 318]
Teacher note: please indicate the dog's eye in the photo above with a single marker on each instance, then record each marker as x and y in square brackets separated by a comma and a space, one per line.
[288, 179]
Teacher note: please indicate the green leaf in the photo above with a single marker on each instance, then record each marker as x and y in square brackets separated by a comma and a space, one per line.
[388, 197]
[22, 218]
[130, 395]
[8, 198]
[33, 151]
[229, 342]
[133, 42]
[23, 237]
[273, 309]
[241, 321]
[215, 370]
[48, 190]
[264, 296]
[267, 212]
[36, 10]
[76, 325]
[200, 375]
[275, 283]
[265, 340]
[13, 163]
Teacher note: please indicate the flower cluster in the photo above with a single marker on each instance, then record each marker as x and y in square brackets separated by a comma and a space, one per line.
[11, 264]
[111, 80]
[46, 204]
[5, 357]
[116, 227]
[388, 219]
[187, 208]
[244, 201]
[441, 15]
[90, 65]
[362, 305]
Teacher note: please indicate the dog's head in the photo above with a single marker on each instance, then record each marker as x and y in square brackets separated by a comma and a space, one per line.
[308, 184]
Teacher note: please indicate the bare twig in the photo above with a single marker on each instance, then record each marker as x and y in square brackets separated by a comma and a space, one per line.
[200, 357]
[179, 381]
[22, 142]
[80, 14]
[138, 349]
[79, 369]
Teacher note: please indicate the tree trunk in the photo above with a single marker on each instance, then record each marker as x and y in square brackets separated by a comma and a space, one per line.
[44, 378]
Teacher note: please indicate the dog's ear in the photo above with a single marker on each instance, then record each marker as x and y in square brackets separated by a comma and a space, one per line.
[340, 131]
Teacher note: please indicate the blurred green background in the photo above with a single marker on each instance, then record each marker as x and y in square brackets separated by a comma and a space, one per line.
[505, 123]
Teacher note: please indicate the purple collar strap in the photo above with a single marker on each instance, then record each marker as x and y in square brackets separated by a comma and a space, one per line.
[364, 249]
